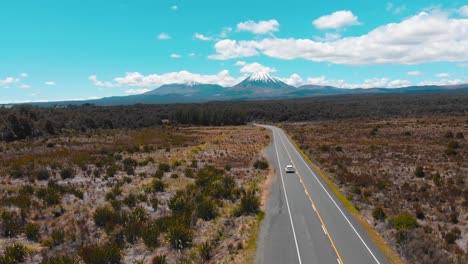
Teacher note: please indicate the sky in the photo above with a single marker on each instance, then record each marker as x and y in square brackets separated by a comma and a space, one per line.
[83, 49]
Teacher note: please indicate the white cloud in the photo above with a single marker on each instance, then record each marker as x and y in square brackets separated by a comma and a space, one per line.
[462, 65]
[191, 54]
[415, 73]
[50, 83]
[260, 27]
[96, 82]
[368, 83]
[224, 32]
[202, 37]
[254, 67]
[175, 56]
[463, 11]
[328, 37]
[337, 19]
[294, 80]
[136, 79]
[164, 36]
[8, 80]
[24, 75]
[174, 7]
[136, 91]
[24, 86]
[395, 9]
[240, 63]
[442, 75]
[442, 82]
[423, 38]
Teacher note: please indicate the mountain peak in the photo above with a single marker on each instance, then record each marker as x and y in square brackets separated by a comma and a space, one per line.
[262, 76]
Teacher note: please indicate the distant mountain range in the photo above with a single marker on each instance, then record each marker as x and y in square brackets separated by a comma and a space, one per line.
[258, 86]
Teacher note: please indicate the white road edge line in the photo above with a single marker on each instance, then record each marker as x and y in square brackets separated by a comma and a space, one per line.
[331, 198]
[339, 262]
[324, 231]
[286, 196]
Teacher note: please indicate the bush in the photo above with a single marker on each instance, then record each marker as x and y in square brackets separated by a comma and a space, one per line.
[67, 173]
[150, 234]
[261, 165]
[159, 259]
[250, 204]
[60, 259]
[13, 254]
[158, 174]
[179, 236]
[378, 213]
[174, 175]
[453, 144]
[10, 224]
[42, 175]
[452, 236]
[205, 251]
[419, 172]
[324, 147]
[157, 185]
[438, 181]
[57, 236]
[448, 134]
[450, 152]
[105, 217]
[99, 254]
[206, 210]
[32, 231]
[189, 173]
[460, 135]
[164, 167]
[52, 197]
[404, 222]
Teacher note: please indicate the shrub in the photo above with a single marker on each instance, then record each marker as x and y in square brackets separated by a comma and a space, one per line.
[419, 172]
[404, 222]
[133, 223]
[57, 236]
[158, 174]
[460, 135]
[164, 167]
[453, 144]
[450, 152]
[27, 190]
[205, 251]
[131, 200]
[13, 254]
[157, 185]
[324, 147]
[99, 254]
[378, 213]
[159, 259]
[448, 134]
[60, 259]
[452, 236]
[438, 181]
[179, 236]
[174, 175]
[32, 231]
[105, 217]
[261, 165]
[42, 175]
[250, 204]
[206, 210]
[67, 173]
[189, 173]
[10, 224]
[150, 234]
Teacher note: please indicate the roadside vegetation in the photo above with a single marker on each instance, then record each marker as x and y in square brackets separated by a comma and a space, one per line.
[406, 176]
[149, 195]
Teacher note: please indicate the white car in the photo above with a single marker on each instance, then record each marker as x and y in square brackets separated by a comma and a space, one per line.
[289, 168]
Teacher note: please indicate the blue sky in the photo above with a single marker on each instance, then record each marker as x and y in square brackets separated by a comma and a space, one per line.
[79, 49]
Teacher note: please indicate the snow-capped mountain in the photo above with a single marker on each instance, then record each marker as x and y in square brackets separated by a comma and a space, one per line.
[261, 84]
[188, 89]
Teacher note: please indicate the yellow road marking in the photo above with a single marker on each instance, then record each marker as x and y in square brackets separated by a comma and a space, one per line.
[340, 260]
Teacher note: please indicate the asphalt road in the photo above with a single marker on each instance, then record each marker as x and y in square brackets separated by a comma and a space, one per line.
[304, 221]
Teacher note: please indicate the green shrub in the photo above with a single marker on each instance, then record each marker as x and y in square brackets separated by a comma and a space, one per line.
[131, 200]
[437, 179]
[189, 173]
[449, 134]
[206, 210]
[100, 254]
[159, 259]
[450, 152]
[174, 175]
[378, 213]
[27, 190]
[158, 174]
[13, 254]
[67, 173]
[164, 167]
[57, 236]
[105, 217]
[10, 224]
[133, 223]
[157, 185]
[460, 135]
[452, 236]
[205, 251]
[419, 172]
[453, 144]
[261, 165]
[404, 222]
[60, 259]
[150, 234]
[250, 204]
[324, 147]
[42, 175]
[32, 231]
[179, 236]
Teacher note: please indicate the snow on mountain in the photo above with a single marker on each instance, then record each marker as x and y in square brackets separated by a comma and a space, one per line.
[262, 77]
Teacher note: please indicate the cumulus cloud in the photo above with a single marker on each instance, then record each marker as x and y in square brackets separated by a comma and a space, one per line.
[24, 86]
[328, 37]
[136, 79]
[136, 91]
[294, 80]
[202, 37]
[254, 67]
[442, 82]
[442, 75]
[51, 83]
[8, 80]
[164, 36]
[426, 37]
[260, 27]
[336, 20]
[175, 56]
[368, 83]
[414, 73]
[463, 11]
